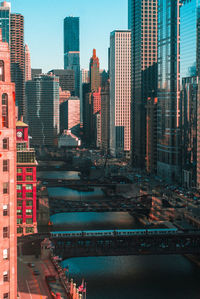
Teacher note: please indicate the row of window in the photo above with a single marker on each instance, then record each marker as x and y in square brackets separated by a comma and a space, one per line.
[20, 170]
[28, 178]
[29, 203]
[28, 221]
[28, 212]
[27, 187]
[28, 230]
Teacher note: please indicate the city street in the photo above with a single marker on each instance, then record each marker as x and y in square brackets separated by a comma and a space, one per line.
[32, 286]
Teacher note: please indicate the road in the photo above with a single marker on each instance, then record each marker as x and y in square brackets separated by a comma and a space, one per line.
[29, 285]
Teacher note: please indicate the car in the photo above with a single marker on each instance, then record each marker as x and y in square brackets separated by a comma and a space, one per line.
[31, 265]
[36, 272]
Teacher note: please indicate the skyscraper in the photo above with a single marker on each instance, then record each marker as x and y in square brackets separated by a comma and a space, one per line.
[17, 56]
[42, 97]
[105, 117]
[120, 92]
[66, 79]
[5, 21]
[70, 115]
[143, 23]
[27, 63]
[94, 75]
[168, 165]
[8, 240]
[72, 49]
[189, 72]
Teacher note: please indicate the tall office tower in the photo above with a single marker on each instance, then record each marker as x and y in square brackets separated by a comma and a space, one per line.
[72, 49]
[8, 240]
[17, 56]
[151, 143]
[120, 93]
[26, 182]
[87, 110]
[84, 79]
[66, 79]
[84, 76]
[94, 74]
[27, 63]
[189, 100]
[70, 116]
[143, 23]
[189, 72]
[5, 20]
[105, 117]
[35, 73]
[42, 97]
[168, 90]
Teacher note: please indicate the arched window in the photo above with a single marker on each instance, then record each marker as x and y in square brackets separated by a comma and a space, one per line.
[2, 73]
[5, 110]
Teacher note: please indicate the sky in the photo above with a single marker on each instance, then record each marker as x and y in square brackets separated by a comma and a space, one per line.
[44, 28]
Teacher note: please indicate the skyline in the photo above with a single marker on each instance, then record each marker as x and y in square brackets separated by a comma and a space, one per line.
[91, 23]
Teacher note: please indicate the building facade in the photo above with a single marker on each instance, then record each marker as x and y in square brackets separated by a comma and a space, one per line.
[8, 236]
[26, 182]
[105, 117]
[143, 24]
[42, 98]
[27, 63]
[120, 93]
[5, 20]
[168, 166]
[70, 115]
[66, 79]
[72, 49]
[94, 74]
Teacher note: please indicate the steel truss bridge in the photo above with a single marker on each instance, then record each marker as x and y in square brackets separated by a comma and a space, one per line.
[85, 246]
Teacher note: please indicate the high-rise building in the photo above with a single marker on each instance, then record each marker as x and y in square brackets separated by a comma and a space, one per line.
[26, 182]
[84, 76]
[143, 24]
[151, 142]
[84, 79]
[168, 166]
[105, 117]
[8, 236]
[17, 56]
[42, 97]
[120, 92]
[72, 49]
[189, 72]
[94, 74]
[5, 20]
[35, 73]
[70, 116]
[66, 79]
[27, 63]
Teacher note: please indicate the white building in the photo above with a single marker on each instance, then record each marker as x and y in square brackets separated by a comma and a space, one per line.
[120, 92]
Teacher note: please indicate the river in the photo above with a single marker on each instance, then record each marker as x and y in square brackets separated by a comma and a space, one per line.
[134, 277]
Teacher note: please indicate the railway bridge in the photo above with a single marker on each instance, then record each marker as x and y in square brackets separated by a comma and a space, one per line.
[116, 245]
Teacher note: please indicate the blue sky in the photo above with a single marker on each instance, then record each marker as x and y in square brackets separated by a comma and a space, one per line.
[44, 28]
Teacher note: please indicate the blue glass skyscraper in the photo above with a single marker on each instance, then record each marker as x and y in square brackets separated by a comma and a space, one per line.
[72, 49]
[5, 21]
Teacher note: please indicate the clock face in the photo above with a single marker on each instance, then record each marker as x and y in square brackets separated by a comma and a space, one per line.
[19, 134]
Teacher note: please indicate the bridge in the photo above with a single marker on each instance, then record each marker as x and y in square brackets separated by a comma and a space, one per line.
[85, 246]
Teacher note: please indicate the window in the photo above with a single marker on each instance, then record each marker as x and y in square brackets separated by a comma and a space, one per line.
[2, 73]
[5, 188]
[5, 276]
[19, 212]
[29, 170]
[19, 203]
[5, 296]
[29, 203]
[6, 143]
[5, 110]
[5, 210]
[19, 178]
[29, 187]
[19, 194]
[19, 220]
[29, 195]
[5, 254]
[29, 230]
[5, 232]
[20, 230]
[5, 165]
[19, 170]
[19, 187]
[29, 221]
[29, 212]
[29, 177]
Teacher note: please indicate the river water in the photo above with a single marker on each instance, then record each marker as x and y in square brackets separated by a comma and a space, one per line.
[134, 277]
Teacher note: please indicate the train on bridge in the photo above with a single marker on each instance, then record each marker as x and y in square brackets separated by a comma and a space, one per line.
[115, 232]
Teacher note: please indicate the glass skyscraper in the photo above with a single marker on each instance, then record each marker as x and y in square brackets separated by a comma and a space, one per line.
[168, 90]
[72, 49]
[5, 21]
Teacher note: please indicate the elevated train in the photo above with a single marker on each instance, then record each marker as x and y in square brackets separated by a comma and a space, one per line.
[115, 232]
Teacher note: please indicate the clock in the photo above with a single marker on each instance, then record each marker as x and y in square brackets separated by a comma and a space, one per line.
[19, 134]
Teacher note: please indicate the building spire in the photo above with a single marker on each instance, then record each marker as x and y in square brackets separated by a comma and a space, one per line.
[94, 53]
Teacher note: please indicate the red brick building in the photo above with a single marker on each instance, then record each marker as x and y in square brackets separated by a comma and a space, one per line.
[8, 236]
[26, 182]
